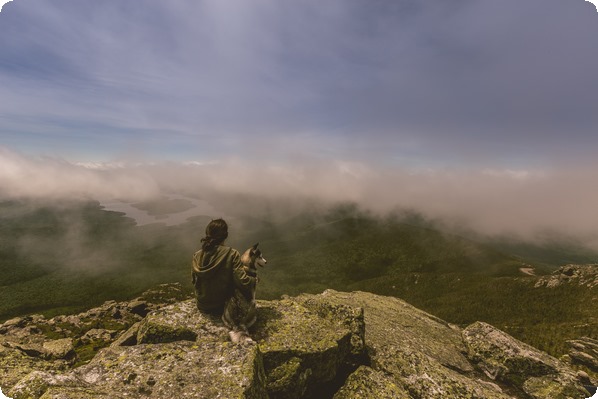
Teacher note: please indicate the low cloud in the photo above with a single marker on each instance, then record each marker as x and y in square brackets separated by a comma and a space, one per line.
[490, 201]
[52, 178]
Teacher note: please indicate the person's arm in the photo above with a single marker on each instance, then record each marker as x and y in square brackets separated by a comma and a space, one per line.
[195, 267]
[243, 281]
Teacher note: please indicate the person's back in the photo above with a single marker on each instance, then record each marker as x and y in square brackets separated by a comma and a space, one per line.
[220, 280]
[213, 272]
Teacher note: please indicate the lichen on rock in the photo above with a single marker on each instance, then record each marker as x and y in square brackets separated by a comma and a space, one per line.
[334, 344]
[367, 383]
[507, 359]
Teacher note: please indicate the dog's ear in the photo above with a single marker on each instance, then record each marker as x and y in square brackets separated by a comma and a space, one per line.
[255, 246]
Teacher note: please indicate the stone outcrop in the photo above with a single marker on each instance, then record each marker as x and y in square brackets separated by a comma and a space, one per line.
[332, 345]
[585, 275]
[503, 358]
[584, 351]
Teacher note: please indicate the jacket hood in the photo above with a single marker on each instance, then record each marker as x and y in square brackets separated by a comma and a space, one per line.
[210, 261]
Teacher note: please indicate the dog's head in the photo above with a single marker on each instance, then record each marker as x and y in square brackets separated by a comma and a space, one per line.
[257, 256]
[253, 257]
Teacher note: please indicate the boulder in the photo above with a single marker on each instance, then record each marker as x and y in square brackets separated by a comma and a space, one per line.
[78, 393]
[34, 384]
[584, 351]
[425, 378]
[128, 337]
[138, 307]
[346, 345]
[504, 358]
[15, 364]
[59, 349]
[180, 321]
[415, 350]
[391, 322]
[367, 383]
[177, 369]
[301, 349]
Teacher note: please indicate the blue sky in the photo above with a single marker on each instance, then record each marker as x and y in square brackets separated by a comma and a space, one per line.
[463, 83]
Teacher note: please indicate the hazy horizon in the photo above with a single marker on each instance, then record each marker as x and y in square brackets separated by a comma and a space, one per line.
[523, 204]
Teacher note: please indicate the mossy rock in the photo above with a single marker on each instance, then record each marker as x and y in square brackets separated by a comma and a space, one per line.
[59, 349]
[15, 365]
[77, 393]
[551, 387]
[180, 321]
[425, 378]
[393, 322]
[37, 382]
[288, 380]
[507, 359]
[349, 315]
[179, 370]
[287, 330]
[367, 383]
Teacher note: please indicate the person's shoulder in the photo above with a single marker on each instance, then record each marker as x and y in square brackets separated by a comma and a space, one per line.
[231, 251]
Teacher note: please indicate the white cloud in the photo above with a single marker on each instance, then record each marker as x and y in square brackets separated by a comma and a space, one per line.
[3, 2]
[492, 201]
[50, 178]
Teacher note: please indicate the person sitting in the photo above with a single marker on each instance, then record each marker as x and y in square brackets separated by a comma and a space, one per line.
[218, 276]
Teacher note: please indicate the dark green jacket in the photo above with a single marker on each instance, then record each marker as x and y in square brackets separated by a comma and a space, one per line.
[216, 274]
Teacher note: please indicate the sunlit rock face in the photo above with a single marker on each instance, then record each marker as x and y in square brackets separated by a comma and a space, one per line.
[332, 345]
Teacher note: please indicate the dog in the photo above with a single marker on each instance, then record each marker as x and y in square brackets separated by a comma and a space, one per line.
[240, 312]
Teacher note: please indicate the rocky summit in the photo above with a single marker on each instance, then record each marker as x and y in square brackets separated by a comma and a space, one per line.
[332, 345]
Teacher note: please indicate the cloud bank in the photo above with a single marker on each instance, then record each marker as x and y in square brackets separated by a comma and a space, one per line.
[491, 201]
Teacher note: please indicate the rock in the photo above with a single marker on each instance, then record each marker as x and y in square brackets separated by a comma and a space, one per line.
[415, 350]
[116, 313]
[77, 393]
[59, 349]
[289, 380]
[391, 322]
[348, 315]
[178, 370]
[425, 378]
[15, 364]
[129, 337]
[36, 383]
[306, 345]
[367, 383]
[350, 345]
[139, 308]
[586, 275]
[98, 335]
[584, 351]
[507, 359]
[180, 321]
[15, 322]
[33, 350]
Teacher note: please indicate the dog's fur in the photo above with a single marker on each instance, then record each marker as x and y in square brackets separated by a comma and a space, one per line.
[240, 312]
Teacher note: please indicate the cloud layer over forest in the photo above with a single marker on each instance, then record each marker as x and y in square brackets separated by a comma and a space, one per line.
[489, 201]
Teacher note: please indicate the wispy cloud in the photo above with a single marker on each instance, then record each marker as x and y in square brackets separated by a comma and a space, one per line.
[521, 202]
